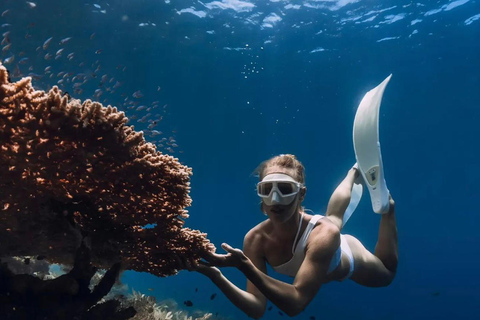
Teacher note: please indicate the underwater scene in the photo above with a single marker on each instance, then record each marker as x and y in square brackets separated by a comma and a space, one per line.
[155, 155]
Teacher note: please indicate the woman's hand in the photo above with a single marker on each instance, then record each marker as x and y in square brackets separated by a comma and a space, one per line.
[191, 264]
[233, 258]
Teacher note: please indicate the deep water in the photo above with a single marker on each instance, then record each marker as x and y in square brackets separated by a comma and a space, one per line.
[237, 82]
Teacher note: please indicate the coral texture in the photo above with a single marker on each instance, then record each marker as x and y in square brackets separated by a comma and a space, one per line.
[71, 171]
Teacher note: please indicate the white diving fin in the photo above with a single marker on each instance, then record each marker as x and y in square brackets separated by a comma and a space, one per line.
[357, 192]
[367, 147]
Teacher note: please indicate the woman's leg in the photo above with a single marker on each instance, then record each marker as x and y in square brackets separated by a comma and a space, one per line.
[378, 269]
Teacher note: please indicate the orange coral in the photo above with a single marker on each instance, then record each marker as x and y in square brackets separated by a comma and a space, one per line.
[70, 170]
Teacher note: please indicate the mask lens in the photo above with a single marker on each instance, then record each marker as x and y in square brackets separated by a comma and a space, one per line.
[286, 188]
[264, 188]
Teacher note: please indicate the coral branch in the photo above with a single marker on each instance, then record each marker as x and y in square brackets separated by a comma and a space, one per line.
[69, 170]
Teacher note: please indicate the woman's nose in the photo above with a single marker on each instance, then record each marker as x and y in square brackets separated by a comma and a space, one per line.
[275, 198]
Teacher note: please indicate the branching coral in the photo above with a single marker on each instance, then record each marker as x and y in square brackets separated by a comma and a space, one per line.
[71, 170]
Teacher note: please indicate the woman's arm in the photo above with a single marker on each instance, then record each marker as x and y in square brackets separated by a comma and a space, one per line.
[340, 198]
[252, 305]
[290, 298]
[251, 301]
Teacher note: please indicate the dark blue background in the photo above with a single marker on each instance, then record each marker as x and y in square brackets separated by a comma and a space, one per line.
[302, 103]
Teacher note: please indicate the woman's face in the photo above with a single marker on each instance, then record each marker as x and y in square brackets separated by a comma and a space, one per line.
[282, 213]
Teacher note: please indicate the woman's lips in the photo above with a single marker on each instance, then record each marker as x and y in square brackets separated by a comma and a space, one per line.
[276, 209]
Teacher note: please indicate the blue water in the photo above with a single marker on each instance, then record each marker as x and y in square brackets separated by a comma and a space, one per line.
[237, 82]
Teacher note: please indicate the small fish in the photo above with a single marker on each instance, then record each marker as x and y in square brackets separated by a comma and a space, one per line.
[280, 313]
[71, 56]
[97, 6]
[188, 303]
[150, 289]
[269, 308]
[9, 60]
[196, 289]
[59, 52]
[48, 56]
[4, 13]
[27, 261]
[213, 296]
[23, 60]
[6, 25]
[98, 51]
[64, 40]
[92, 36]
[141, 108]
[137, 94]
[6, 48]
[46, 43]
[31, 4]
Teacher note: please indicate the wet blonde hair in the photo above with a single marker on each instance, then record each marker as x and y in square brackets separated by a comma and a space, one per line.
[288, 161]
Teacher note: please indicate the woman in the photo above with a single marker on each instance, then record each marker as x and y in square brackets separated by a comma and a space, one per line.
[307, 247]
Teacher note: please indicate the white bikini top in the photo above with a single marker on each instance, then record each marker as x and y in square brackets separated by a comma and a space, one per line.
[290, 268]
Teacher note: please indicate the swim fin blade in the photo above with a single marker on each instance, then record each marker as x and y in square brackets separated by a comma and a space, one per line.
[367, 147]
[357, 192]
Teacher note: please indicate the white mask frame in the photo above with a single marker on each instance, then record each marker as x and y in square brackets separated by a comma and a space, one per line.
[274, 184]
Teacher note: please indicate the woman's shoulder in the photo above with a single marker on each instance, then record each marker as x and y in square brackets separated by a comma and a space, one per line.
[325, 231]
[257, 235]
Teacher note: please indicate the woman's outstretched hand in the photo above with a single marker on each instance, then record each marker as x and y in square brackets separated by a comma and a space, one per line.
[233, 258]
[191, 264]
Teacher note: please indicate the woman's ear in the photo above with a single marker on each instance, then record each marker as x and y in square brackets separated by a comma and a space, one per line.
[303, 191]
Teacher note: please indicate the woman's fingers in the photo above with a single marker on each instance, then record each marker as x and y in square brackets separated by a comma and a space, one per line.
[228, 248]
[185, 263]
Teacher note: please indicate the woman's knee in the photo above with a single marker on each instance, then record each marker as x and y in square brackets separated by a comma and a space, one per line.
[388, 278]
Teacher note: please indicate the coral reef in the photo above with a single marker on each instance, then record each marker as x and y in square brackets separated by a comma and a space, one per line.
[73, 172]
[133, 306]
[148, 309]
[23, 296]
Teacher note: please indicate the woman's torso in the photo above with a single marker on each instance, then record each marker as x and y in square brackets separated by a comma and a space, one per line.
[277, 249]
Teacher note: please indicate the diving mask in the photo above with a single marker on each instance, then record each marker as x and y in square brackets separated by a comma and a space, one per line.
[278, 189]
